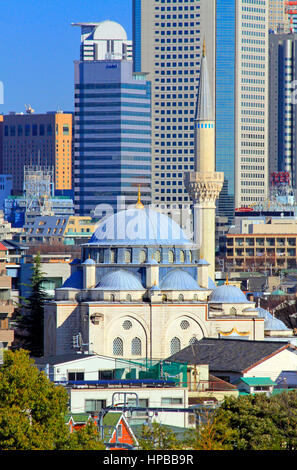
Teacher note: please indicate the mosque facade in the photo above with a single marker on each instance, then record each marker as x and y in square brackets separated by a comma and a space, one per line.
[141, 291]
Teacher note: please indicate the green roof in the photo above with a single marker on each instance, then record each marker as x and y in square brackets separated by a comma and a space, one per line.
[251, 381]
[77, 417]
[111, 419]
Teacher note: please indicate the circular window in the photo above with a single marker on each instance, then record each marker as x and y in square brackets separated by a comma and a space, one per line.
[127, 325]
[185, 325]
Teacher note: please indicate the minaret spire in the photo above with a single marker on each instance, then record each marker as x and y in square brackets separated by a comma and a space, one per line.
[205, 184]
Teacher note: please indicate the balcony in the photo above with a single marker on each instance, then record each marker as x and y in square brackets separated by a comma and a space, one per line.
[6, 336]
[6, 307]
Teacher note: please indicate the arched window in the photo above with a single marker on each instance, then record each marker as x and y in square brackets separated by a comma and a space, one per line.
[158, 256]
[181, 298]
[182, 256]
[128, 256]
[193, 340]
[129, 298]
[142, 256]
[233, 311]
[118, 347]
[170, 256]
[195, 297]
[174, 345]
[113, 255]
[112, 297]
[136, 347]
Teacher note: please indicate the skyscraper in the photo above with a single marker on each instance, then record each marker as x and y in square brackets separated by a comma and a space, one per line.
[282, 111]
[167, 45]
[251, 102]
[225, 102]
[278, 16]
[112, 128]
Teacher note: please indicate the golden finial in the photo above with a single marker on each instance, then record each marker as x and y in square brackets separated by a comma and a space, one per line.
[204, 48]
[227, 280]
[139, 204]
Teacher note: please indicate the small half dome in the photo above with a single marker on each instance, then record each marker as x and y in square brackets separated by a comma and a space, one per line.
[120, 280]
[228, 294]
[179, 279]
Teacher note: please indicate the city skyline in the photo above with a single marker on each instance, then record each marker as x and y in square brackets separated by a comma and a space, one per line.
[38, 42]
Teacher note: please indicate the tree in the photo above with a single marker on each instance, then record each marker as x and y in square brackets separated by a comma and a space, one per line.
[33, 410]
[258, 422]
[30, 322]
[158, 437]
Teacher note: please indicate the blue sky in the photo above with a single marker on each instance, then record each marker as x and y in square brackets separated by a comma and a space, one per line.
[38, 46]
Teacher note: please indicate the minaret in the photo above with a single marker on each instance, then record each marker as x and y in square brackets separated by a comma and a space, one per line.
[204, 184]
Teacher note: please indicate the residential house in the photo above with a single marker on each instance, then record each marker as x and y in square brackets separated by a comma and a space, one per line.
[231, 359]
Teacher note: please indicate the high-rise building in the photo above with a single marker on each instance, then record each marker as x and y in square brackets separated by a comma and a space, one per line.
[37, 139]
[251, 101]
[167, 45]
[282, 110]
[291, 14]
[112, 132]
[104, 41]
[225, 103]
[278, 16]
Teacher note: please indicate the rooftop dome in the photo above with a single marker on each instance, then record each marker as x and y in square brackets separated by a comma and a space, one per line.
[110, 30]
[138, 227]
[178, 279]
[228, 294]
[120, 280]
[270, 322]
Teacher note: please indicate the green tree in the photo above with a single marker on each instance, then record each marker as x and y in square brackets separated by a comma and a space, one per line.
[158, 437]
[33, 410]
[258, 422]
[30, 321]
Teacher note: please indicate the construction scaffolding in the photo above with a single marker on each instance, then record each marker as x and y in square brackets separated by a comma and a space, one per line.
[38, 190]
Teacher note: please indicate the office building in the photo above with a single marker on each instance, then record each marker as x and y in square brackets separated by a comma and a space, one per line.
[251, 102]
[106, 40]
[278, 16]
[167, 45]
[282, 110]
[37, 139]
[112, 135]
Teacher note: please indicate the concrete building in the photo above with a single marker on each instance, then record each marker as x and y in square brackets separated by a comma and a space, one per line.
[251, 102]
[113, 134]
[262, 243]
[167, 45]
[68, 230]
[106, 40]
[37, 139]
[282, 109]
[278, 16]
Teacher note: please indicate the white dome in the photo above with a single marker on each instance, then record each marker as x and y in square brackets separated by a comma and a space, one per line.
[110, 30]
[142, 227]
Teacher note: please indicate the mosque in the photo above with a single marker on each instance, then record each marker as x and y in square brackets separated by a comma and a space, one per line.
[142, 289]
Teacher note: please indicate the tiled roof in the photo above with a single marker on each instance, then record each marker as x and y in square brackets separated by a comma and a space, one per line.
[235, 355]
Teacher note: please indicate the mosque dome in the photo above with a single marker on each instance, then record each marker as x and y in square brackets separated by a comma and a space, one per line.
[270, 322]
[179, 279]
[228, 294]
[138, 226]
[120, 280]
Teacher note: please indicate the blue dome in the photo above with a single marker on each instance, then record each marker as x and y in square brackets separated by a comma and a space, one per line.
[120, 280]
[178, 279]
[138, 227]
[89, 261]
[270, 322]
[228, 294]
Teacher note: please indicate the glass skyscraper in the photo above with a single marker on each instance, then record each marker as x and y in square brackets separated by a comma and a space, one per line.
[112, 134]
[225, 102]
